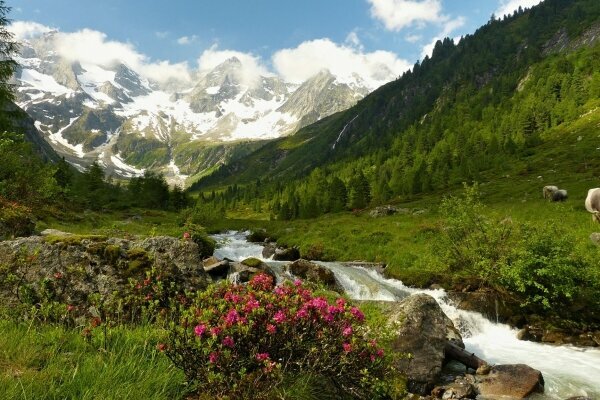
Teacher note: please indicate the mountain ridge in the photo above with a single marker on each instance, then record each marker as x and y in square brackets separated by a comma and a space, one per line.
[87, 111]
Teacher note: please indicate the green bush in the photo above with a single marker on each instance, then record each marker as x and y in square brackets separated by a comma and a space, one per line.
[15, 220]
[472, 242]
[544, 267]
[540, 264]
[235, 341]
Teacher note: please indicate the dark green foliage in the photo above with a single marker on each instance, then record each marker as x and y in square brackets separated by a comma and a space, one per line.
[23, 176]
[8, 48]
[540, 264]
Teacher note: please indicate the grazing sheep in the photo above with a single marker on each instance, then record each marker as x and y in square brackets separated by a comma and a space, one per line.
[548, 191]
[592, 203]
[559, 195]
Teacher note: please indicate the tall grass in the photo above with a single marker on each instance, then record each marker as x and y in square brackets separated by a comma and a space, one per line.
[49, 362]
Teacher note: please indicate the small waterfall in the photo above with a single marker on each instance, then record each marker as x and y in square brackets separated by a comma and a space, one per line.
[568, 371]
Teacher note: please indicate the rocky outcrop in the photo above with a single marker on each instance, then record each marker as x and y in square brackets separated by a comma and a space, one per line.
[241, 272]
[217, 269]
[288, 254]
[269, 250]
[383, 211]
[517, 381]
[422, 330]
[77, 267]
[312, 272]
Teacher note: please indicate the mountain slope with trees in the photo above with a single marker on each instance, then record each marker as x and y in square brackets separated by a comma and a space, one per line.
[480, 106]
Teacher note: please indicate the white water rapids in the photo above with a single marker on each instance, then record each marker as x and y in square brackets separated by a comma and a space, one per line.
[568, 371]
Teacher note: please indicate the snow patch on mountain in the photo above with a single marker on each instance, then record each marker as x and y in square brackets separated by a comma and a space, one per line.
[126, 169]
[32, 79]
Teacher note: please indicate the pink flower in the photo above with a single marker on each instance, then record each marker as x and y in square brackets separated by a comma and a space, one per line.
[200, 329]
[231, 317]
[271, 328]
[302, 313]
[297, 282]
[357, 314]
[58, 275]
[186, 235]
[380, 353]
[340, 302]
[215, 331]
[70, 307]
[347, 347]
[319, 303]
[279, 317]
[161, 347]
[251, 305]
[347, 331]
[262, 356]
[228, 342]
[328, 318]
[213, 357]
[372, 358]
[261, 282]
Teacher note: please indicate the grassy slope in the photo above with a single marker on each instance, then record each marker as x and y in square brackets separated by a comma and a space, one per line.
[570, 159]
[53, 363]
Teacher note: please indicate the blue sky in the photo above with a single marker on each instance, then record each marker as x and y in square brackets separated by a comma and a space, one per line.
[179, 32]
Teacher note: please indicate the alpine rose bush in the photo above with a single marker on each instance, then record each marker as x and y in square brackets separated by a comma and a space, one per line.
[238, 341]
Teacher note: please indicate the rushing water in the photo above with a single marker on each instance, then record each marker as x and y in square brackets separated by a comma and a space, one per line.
[568, 371]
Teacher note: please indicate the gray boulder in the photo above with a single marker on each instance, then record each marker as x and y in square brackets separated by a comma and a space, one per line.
[383, 211]
[312, 272]
[289, 254]
[78, 266]
[422, 330]
[216, 268]
[241, 272]
[269, 250]
[516, 381]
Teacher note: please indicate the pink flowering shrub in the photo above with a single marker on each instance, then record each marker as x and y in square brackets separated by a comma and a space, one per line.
[242, 341]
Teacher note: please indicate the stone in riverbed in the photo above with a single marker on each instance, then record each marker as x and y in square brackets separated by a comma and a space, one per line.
[516, 381]
[289, 254]
[422, 330]
[312, 272]
[269, 250]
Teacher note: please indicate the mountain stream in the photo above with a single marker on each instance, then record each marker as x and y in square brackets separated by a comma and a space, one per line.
[568, 371]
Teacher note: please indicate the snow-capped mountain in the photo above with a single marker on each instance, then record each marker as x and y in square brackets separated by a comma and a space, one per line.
[112, 115]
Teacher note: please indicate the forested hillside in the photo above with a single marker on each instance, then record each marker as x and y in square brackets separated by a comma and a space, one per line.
[484, 105]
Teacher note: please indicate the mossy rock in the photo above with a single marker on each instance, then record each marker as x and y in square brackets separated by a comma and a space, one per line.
[73, 240]
[253, 262]
[112, 252]
[138, 261]
[97, 248]
[257, 236]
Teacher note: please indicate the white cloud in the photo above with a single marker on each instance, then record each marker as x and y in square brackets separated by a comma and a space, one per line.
[507, 7]
[353, 40]
[187, 39]
[161, 34]
[93, 47]
[413, 38]
[294, 64]
[300, 63]
[399, 14]
[251, 69]
[24, 30]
